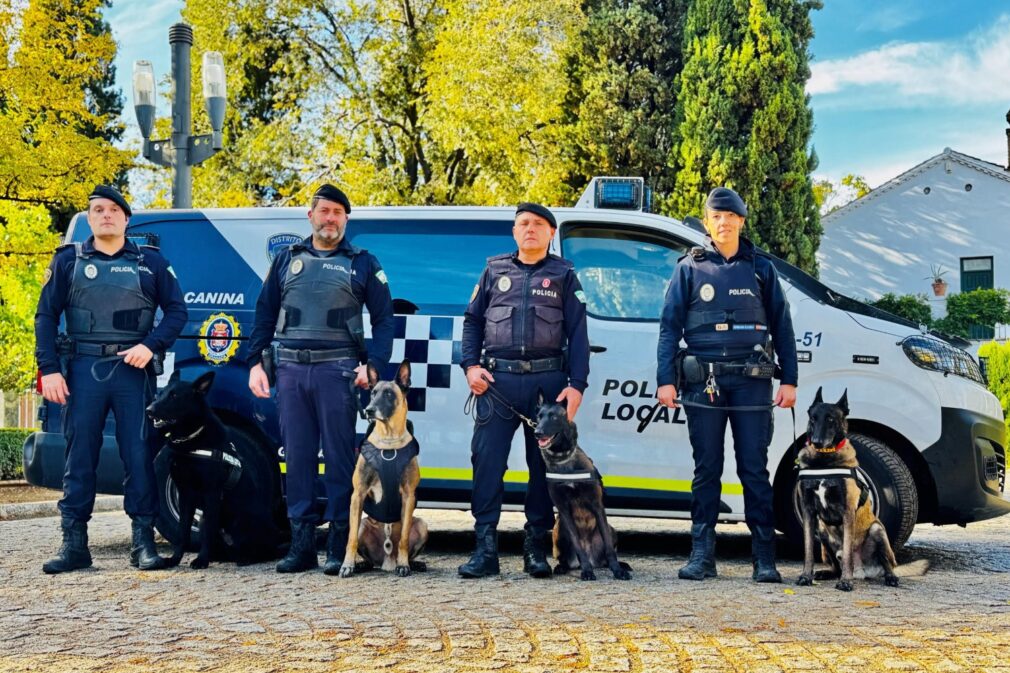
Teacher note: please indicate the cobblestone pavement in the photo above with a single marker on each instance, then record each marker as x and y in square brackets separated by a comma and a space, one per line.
[114, 618]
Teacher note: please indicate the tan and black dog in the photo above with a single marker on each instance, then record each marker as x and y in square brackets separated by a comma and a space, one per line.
[835, 506]
[582, 535]
[385, 485]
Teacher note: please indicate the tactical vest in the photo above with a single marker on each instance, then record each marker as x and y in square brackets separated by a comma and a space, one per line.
[106, 303]
[317, 299]
[390, 469]
[525, 306]
[726, 309]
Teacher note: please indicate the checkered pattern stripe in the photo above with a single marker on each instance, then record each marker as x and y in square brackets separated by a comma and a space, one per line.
[434, 346]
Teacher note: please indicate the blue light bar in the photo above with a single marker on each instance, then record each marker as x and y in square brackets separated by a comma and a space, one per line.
[618, 194]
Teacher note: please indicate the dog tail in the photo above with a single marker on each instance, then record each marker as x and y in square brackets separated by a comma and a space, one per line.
[916, 568]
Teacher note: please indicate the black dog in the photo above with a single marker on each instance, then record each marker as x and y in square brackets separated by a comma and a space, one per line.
[835, 505]
[218, 471]
[582, 534]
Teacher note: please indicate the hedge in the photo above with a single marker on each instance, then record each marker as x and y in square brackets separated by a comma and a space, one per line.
[11, 441]
[997, 358]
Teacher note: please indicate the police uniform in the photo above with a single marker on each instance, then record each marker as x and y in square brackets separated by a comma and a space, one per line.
[109, 304]
[311, 302]
[725, 310]
[521, 316]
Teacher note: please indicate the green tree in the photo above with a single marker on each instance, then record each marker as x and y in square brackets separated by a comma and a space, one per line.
[744, 121]
[57, 110]
[829, 196]
[984, 306]
[914, 307]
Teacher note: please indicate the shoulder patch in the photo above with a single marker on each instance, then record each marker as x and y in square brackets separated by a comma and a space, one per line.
[47, 275]
[172, 271]
[580, 295]
[381, 276]
[476, 289]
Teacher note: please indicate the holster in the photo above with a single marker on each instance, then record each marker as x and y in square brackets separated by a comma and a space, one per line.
[269, 362]
[65, 350]
[157, 363]
[692, 369]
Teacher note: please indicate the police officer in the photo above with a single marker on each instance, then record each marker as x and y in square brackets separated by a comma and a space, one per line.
[725, 301]
[108, 290]
[312, 302]
[526, 307]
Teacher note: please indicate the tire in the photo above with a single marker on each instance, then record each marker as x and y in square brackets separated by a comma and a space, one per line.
[892, 492]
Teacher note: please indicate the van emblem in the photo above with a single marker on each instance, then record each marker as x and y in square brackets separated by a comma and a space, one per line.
[504, 283]
[278, 242]
[91, 271]
[707, 292]
[547, 282]
[219, 338]
[296, 267]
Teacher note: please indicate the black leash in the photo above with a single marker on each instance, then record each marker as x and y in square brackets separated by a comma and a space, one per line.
[351, 378]
[118, 359]
[687, 403]
[472, 406]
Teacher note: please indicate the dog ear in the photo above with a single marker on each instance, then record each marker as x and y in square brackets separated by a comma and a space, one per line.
[540, 397]
[818, 399]
[202, 384]
[843, 403]
[372, 373]
[403, 375]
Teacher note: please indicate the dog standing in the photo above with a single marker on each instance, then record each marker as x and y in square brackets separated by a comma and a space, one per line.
[385, 482]
[833, 498]
[582, 534]
[219, 472]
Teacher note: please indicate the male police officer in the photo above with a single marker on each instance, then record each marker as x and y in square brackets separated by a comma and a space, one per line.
[525, 308]
[725, 300]
[108, 288]
[312, 301]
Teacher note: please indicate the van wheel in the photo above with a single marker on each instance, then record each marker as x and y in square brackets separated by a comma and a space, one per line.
[892, 492]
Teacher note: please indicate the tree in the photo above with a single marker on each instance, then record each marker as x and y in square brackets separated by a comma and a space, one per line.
[914, 307]
[620, 107]
[744, 121]
[985, 307]
[57, 110]
[829, 197]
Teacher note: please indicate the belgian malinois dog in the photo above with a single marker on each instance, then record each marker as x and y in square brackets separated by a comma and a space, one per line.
[385, 485]
[582, 534]
[834, 500]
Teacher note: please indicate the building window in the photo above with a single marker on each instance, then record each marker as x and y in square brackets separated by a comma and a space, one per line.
[976, 274]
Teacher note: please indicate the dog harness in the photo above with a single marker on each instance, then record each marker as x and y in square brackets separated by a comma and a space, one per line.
[230, 459]
[810, 474]
[390, 464]
[575, 475]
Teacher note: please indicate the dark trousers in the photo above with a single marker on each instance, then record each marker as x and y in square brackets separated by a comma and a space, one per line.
[752, 431]
[126, 393]
[492, 439]
[317, 412]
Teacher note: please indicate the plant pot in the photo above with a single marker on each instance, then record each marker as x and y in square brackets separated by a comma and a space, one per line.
[939, 288]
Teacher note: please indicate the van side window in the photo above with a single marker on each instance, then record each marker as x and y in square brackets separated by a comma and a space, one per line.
[624, 271]
[432, 264]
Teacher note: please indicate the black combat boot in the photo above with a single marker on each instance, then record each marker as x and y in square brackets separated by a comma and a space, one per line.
[484, 560]
[73, 553]
[336, 547]
[535, 549]
[762, 541]
[701, 564]
[144, 553]
[302, 553]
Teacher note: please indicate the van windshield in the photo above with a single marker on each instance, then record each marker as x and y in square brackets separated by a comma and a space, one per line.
[432, 265]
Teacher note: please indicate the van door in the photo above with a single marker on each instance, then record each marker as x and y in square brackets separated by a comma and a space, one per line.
[642, 450]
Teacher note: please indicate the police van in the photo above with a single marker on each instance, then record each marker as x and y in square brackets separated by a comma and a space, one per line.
[930, 436]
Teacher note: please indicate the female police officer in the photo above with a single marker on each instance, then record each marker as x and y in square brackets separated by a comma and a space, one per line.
[527, 305]
[725, 301]
[108, 288]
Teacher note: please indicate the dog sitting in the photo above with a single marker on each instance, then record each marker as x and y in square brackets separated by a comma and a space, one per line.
[582, 534]
[218, 471]
[834, 499]
[385, 482]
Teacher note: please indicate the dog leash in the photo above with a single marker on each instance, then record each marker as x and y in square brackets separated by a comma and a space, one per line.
[119, 360]
[472, 406]
[687, 403]
[355, 394]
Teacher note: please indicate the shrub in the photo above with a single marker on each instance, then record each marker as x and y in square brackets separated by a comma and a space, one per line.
[985, 307]
[914, 307]
[11, 441]
[997, 358]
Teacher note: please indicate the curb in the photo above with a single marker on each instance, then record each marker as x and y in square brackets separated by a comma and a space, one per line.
[35, 510]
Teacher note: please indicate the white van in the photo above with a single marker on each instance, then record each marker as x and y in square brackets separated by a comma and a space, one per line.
[930, 436]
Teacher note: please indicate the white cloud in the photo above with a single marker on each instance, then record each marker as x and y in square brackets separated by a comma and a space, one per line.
[890, 18]
[973, 70]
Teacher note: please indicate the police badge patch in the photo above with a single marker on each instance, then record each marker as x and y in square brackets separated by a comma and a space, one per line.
[296, 266]
[581, 296]
[707, 292]
[476, 289]
[47, 275]
[504, 283]
[91, 271]
[381, 275]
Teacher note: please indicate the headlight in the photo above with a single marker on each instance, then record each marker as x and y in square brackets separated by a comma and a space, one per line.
[932, 353]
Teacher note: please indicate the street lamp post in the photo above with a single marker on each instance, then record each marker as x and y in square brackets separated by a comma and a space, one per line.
[182, 151]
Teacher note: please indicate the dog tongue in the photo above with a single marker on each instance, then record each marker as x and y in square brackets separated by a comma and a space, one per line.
[544, 441]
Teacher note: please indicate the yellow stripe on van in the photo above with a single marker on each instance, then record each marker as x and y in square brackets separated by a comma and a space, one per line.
[611, 480]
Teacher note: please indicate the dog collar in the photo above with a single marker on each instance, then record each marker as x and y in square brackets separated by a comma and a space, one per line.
[185, 439]
[391, 443]
[831, 449]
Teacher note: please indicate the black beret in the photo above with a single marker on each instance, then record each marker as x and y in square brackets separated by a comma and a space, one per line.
[537, 209]
[331, 193]
[112, 194]
[724, 198]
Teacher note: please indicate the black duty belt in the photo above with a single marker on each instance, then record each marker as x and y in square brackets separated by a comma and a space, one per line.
[522, 366]
[100, 350]
[696, 319]
[758, 370]
[309, 357]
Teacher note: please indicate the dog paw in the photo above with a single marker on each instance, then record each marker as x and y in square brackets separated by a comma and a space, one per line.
[622, 574]
[825, 575]
[891, 581]
[199, 563]
[561, 569]
[402, 571]
[419, 566]
[587, 576]
[843, 585]
[346, 571]
[804, 581]
[173, 561]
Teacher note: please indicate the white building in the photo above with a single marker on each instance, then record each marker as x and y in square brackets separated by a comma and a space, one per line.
[952, 210]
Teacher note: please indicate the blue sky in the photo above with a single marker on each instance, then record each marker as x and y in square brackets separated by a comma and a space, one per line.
[893, 83]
